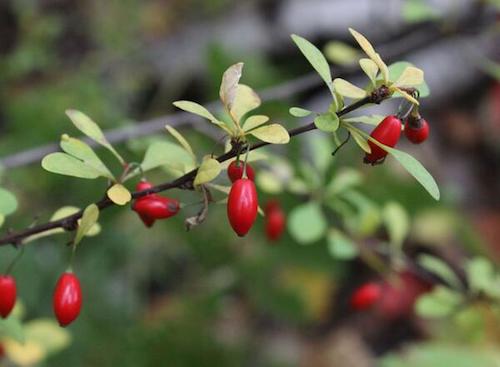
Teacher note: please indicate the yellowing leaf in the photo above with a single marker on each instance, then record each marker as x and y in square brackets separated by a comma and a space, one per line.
[370, 51]
[208, 171]
[27, 354]
[255, 121]
[410, 77]
[92, 130]
[274, 134]
[119, 194]
[229, 85]
[406, 95]
[48, 334]
[370, 68]
[245, 101]
[65, 164]
[182, 141]
[89, 218]
[347, 89]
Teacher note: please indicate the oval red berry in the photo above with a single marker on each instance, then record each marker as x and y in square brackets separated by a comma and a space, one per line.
[387, 133]
[365, 296]
[275, 221]
[242, 206]
[7, 294]
[235, 171]
[67, 301]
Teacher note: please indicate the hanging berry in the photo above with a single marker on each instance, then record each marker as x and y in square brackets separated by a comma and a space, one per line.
[235, 171]
[152, 207]
[416, 129]
[67, 300]
[387, 133]
[7, 294]
[242, 206]
[366, 296]
[275, 220]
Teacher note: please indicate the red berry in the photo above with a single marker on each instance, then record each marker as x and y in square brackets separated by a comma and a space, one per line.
[275, 220]
[416, 131]
[387, 133]
[2, 351]
[143, 185]
[152, 207]
[365, 296]
[67, 300]
[7, 294]
[235, 171]
[242, 206]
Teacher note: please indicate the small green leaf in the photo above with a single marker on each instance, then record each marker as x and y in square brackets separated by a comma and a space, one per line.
[344, 179]
[410, 77]
[299, 112]
[328, 122]
[88, 220]
[415, 11]
[273, 133]
[307, 223]
[373, 120]
[441, 302]
[92, 130]
[358, 138]
[229, 85]
[65, 164]
[481, 276]
[370, 68]
[340, 246]
[119, 194]
[254, 121]
[246, 100]
[197, 109]
[182, 141]
[208, 171]
[397, 68]
[8, 202]
[341, 53]
[347, 89]
[397, 223]
[269, 182]
[81, 150]
[315, 58]
[161, 153]
[11, 327]
[441, 269]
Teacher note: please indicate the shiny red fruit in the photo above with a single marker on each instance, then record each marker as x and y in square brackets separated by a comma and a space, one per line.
[366, 296]
[242, 206]
[275, 220]
[152, 207]
[143, 185]
[67, 300]
[417, 131]
[235, 171]
[387, 133]
[7, 294]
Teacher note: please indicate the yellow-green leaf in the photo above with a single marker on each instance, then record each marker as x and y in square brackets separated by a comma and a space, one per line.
[245, 101]
[208, 171]
[229, 85]
[92, 130]
[65, 164]
[406, 95]
[255, 121]
[327, 122]
[2, 220]
[165, 153]
[89, 218]
[370, 68]
[347, 89]
[182, 141]
[362, 142]
[371, 53]
[299, 112]
[410, 77]
[397, 223]
[24, 354]
[273, 133]
[8, 202]
[197, 109]
[119, 194]
[47, 333]
[341, 53]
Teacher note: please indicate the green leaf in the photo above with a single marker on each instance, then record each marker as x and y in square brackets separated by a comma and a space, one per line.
[48, 334]
[415, 11]
[88, 220]
[347, 89]
[11, 327]
[81, 150]
[8, 202]
[315, 58]
[269, 183]
[344, 179]
[328, 122]
[373, 120]
[92, 130]
[397, 223]
[410, 77]
[254, 121]
[396, 70]
[299, 112]
[208, 171]
[307, 223]
[370, 68]
[481, 277]
[340, 246]
[2, 220]
[229, 85]
[246, 100]
[438, 267]
[358, 138]
[321, 148]
[341, 53]
[197, 109]
[119, 194]
[162, 153]
[65, 164]
[182, 141]
[441, 302]
[372, 54]
[273, 133]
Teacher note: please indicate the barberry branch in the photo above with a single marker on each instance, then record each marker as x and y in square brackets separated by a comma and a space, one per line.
[69, 223]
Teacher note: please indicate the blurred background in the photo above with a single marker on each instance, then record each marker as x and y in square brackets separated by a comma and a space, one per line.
[164, 296]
